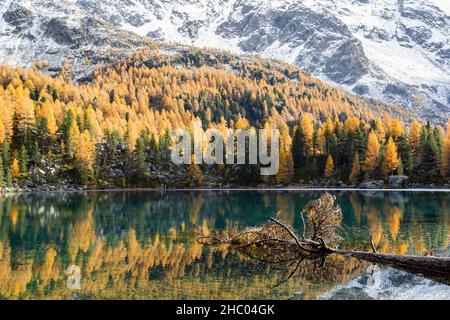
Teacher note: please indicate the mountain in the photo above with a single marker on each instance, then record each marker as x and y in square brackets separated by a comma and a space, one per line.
[394, 50]
[51, 31]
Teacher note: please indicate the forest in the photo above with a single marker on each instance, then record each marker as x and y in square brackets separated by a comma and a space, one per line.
[113, 128]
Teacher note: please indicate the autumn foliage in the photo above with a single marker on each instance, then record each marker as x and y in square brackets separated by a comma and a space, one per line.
[91, 129]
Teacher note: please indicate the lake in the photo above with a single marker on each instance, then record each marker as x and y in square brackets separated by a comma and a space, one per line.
[139, 245]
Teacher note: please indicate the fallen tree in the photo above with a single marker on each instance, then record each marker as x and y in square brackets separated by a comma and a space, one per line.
[276, 243]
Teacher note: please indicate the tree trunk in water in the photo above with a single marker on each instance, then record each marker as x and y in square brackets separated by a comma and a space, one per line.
[436, 268]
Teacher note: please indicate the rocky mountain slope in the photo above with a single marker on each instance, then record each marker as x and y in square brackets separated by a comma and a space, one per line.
[52, 31]
[394, 50]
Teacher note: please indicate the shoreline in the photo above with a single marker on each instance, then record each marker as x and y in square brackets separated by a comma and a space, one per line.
[216, 189]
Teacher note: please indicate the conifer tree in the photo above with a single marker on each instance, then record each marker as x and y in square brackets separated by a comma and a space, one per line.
[297, 148]
[85, 155]
[72, 139]
[429, 165]
[2, 132]
[194, 176]
[307, 130]
[15, 166]
[414, 138]
[329, 167]
[9, 181]
[391, 160]
[2, 173]
[6, 154]
[47, 112]
[356, 170]
[445, 161]
[372, 155]
[36, 153]
[23, 160]
[140, 155]
[286, 163]
[24, 111]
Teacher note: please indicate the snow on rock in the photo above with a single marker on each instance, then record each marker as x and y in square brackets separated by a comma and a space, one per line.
[394, 50]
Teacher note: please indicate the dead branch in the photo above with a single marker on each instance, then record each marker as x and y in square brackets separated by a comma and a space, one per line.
[276, 243]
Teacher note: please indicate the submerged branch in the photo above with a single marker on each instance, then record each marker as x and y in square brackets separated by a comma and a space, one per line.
[276, 243]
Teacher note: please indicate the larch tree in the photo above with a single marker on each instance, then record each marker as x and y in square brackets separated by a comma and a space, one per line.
[2, 173]
[356, 170]
[391, 160]
[396, 128]
[2, 132]
[85, 154]
[286, 163]
[445, 161]
[372, 155]
[307, 130]
[6, 114]
[48, 113]
[24, 111]
[329, 167]
[194, 176]
[15, 166]
[72, 139]
[414, 138]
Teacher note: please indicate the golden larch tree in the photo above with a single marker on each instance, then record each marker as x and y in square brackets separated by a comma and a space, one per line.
[85, 153]
[356, 169]
[445, 161]
[391, 160]
[15, 166]
[414, 137]
[286, 162]
[2, 132]
[372, 154]
[24, 110]
[72, 140]
[48, 113]
[329, 167]
[194, 176]
[307, 127]
[396, 128]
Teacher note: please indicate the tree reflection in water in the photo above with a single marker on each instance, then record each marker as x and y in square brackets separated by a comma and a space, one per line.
[138, 244]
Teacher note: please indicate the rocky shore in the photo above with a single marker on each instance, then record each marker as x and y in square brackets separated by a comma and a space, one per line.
[393, 183]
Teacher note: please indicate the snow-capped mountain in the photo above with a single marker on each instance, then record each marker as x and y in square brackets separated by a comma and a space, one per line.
[394, 50]
[56, 30]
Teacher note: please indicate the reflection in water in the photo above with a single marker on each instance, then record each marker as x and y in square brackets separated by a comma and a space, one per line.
[138, 244]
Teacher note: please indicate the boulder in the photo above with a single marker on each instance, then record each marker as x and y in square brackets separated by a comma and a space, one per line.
[379, 184]
[115, 173]
[341, 184]
[398, 182]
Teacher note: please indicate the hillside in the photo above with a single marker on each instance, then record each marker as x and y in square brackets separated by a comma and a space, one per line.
[113, 128]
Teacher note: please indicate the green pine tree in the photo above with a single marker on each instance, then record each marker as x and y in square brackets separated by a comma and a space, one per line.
[6, 154]
[9, 182]
[429, 165]
[23, 160]
[2, 173]
[36, 153]
[140, 155]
